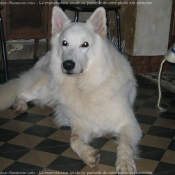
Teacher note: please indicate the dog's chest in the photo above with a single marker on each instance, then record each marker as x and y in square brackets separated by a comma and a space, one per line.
[95, 108]
[75, 99]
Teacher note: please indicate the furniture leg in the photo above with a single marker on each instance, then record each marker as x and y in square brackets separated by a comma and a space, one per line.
[76, 16]
[4, 52]
[118, 30]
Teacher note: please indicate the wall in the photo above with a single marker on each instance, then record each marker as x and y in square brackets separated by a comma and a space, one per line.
[145, 26]
[152, 28]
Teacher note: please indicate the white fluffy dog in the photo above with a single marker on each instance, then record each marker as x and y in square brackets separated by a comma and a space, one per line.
[89, 82]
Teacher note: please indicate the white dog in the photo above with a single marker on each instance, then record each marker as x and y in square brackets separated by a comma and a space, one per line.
[89, 82]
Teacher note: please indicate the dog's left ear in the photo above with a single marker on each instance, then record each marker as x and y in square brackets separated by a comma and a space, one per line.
[58, 20]
[98, 20]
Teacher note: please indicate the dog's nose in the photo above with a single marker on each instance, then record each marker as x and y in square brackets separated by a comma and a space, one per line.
[68, 65]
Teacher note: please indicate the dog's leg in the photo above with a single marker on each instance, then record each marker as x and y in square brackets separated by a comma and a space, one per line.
[38, 91]
[22, 99]
[127, 146]
[79, 144]
[84, 151]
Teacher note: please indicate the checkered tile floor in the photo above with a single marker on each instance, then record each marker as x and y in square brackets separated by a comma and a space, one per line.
[30, 143]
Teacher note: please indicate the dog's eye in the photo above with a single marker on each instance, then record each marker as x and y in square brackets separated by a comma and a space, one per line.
[85, 44]
[64, 43]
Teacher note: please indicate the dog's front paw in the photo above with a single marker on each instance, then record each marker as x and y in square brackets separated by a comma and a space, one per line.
[20, 107]
[125, 166]
[91, 157]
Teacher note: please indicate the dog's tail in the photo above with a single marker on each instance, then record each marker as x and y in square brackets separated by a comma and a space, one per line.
[8, 93]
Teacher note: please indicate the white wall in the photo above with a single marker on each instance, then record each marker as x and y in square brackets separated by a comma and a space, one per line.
[152, 27]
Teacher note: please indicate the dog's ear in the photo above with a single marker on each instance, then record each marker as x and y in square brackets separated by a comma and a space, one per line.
[58, 20]
[98, 20]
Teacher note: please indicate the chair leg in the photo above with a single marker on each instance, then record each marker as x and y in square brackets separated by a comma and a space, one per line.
[4, 52]
[76, 16]
[118, 30]
[36, 49]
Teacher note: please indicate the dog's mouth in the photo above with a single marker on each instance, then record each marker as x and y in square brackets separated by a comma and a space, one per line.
[73, 73]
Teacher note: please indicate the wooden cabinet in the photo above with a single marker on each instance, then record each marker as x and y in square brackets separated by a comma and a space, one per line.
[27, 20]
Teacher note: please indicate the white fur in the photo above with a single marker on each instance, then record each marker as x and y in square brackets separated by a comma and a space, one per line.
[96, 98]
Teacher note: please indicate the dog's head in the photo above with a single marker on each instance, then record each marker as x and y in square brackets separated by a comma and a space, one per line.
[75, 41]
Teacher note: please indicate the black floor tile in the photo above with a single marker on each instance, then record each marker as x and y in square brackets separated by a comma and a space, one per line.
[168, 115]
[168, 94]
[149, 105]
[3, 120]
[172, 103]
[22, 168]
[6, 135]
[98, 143]
[140, 79]
[66, 164]
[172, 145]
[30, 117]
[107, 158]
[161, 132]
[147, 85]
[12, 151]
[151, 152]
[136, 108]
[52, 146]
[143, 97]
[165, 168]
[146, 119]
[41, 131]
